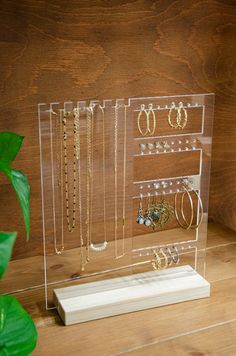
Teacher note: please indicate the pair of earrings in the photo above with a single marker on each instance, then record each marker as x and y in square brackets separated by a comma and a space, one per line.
[149, 122]
[181, 118]
[143, 219]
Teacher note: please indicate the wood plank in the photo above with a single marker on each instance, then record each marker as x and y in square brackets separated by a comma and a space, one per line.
[217, 340]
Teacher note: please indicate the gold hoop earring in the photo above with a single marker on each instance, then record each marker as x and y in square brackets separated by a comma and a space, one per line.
[185, 119]
[188, 225]
[170, 255]
[156, 264]
[201, 211]
[176, 258]
[151, 112]
[142, 110]
[165, 259]
[177, 118]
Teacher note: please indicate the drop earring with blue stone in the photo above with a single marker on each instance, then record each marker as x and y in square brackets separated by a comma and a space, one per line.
[148, 219]
[140, 217]
[155, 214]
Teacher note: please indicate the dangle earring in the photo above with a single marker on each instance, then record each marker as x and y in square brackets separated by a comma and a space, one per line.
[177, 118]
[182, 122]
[148, 219]
[141, 112]
[140, 217]
[151, 113]
[155, 212]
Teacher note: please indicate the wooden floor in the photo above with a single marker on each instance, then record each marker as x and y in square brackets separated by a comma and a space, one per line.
[202, 327]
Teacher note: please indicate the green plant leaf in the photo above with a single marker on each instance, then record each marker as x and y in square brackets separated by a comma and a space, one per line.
[18, 335]
[10, 144]
[7, 240]
[22, 188]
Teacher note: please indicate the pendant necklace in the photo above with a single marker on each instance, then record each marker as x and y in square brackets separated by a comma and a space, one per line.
[98, 247]
[77, 150]
[117, 255]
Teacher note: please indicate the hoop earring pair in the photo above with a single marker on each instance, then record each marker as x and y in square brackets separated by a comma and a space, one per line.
[148, 112]
[188, 224]
[181, 122]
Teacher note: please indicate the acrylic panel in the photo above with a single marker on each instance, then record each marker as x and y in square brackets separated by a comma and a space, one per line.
[101, 161]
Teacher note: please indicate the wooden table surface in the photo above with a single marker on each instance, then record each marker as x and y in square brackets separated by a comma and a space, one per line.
[201, 327]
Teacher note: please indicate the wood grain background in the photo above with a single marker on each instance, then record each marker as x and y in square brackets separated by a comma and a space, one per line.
[58, 50]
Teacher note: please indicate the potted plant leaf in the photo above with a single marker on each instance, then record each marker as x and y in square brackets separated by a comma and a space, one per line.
[18, 335]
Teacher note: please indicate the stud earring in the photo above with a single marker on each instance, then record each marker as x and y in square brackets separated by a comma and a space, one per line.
[150, 146]
[142, 147]
[165, 144]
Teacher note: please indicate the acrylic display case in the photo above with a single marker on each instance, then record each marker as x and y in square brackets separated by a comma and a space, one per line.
[125, 187]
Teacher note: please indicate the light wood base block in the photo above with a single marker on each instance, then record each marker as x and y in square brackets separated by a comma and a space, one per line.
[141, 291]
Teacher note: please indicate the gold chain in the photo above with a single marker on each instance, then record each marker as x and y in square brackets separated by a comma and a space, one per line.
[124, 182]
[71, 226]
[59, 179]
[77, 154]
[89, 112]
[115, 175]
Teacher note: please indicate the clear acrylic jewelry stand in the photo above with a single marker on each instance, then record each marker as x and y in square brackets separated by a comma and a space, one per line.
[155, 167]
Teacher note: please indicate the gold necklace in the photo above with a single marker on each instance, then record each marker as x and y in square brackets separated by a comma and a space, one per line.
[124, 183]
[116, 182]
[59, 172]
[89, 120]
[103, 245]
[71, 226]
[77, 154]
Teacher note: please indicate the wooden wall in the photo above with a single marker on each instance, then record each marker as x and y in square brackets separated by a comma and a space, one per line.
[56, 50]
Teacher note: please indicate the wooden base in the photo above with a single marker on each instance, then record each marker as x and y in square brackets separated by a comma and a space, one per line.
[141, 291]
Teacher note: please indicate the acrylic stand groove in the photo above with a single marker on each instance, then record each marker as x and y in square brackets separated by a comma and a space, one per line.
[127, 294]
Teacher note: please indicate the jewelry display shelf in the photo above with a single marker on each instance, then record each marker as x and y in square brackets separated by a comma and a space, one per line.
[125, 187]
[141, 291]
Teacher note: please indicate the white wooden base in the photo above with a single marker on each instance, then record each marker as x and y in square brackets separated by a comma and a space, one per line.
[115, 296]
